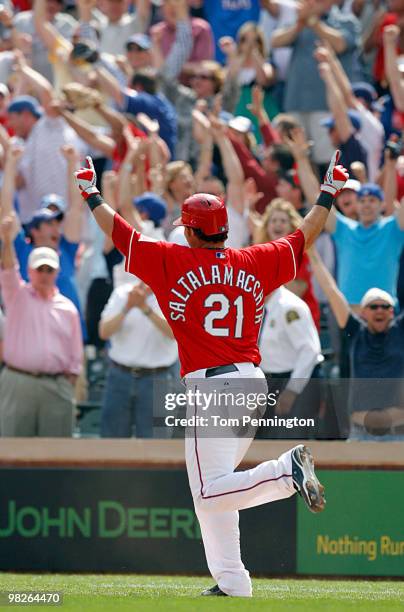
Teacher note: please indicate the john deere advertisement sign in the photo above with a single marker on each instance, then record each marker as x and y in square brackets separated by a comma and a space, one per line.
[124, 520]
[361, 532]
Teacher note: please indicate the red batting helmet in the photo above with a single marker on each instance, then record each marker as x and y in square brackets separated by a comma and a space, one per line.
[205, 212]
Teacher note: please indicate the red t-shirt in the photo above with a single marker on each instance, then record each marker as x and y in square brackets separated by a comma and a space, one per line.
[304, 274]
[213, 299]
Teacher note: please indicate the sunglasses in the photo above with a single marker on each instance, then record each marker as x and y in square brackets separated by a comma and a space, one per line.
[379, 306]
[46, 269]
[133, 47]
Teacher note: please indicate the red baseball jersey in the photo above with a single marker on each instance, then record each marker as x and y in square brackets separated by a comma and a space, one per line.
[213, 299]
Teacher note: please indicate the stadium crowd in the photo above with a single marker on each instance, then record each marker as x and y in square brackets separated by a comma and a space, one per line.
[243, 99]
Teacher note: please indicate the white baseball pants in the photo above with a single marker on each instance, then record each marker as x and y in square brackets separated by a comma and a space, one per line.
[218, 491]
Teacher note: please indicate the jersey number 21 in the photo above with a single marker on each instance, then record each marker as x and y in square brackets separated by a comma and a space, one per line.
[218, 315]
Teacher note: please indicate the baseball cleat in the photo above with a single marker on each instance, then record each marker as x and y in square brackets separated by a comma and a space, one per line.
[215, 590]
[305, 480]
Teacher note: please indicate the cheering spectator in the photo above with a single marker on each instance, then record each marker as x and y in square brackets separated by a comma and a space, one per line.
[44, 135]
[277, 15]
[42, 346]
[393, 74]
[375, 39]
[144, 97]
[360, 97]
[45, 229]
[226, 19]
[279, 220]
[164, 32]
[246, 61]
[179, 182]
[305, 93]
[344, 125]
[141, 352]
[346, 201]
[362, 245]
[114, 24]
[26, 24]
[375, 342]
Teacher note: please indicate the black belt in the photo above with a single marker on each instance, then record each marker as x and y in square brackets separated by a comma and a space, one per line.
[34, 374]
[226, 369]
[138, 371]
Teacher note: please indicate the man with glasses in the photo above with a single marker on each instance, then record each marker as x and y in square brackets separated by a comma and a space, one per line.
[42, 345]
[376, 340]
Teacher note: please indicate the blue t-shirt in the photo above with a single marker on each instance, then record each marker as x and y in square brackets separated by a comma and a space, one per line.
[227, 16]
[156, 107]
[66, 279]
[367, 256]
[379, 357]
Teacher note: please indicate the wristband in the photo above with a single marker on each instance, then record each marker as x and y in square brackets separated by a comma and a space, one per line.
[325, 199]
[94, 200]
[147, 312]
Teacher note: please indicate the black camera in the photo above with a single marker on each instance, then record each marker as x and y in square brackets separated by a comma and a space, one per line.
[84, 52]
[394, 147]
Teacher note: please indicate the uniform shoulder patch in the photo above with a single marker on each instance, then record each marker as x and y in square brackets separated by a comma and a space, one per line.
[292, 315]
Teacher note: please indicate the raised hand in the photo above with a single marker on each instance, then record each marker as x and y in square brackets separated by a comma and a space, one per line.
[228, 46]
[335, 177]
[15, 152]
[257, 101]
[297, 143]
[391, 34]
[69, 153]
[7, 228]
[86, 179]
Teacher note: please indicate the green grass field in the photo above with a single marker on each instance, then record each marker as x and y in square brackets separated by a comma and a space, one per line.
[108, 592]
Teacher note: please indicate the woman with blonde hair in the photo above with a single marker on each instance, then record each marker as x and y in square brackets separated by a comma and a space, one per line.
[247, 61]
[179, 185]
[280, 219]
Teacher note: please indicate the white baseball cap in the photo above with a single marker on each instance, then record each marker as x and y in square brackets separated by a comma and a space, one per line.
[240, 124]
[377, 294]
[43, 256]
[352, 184]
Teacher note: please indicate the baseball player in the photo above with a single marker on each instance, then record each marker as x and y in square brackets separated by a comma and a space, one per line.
[213, 299]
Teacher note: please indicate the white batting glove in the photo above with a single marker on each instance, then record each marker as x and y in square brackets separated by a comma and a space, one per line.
[86, 179]
[335, 177]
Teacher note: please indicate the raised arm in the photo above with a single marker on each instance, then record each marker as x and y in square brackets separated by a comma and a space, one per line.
[110, 85]
[231, 164]
[268, 132]
[72, 225]
[299, 147]
[336, 102]
[36, 82]
[13, 155]
[327, 54]
[45, 30]
[338, 303]
[393, 74]
[313, 224]
[8, 258]
[86, 131]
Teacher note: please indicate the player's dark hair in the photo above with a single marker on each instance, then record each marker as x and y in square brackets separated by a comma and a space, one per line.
[147, 79]
[215, 238]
